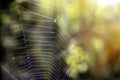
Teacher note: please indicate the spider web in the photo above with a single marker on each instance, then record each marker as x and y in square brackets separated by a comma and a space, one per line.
[38, 54]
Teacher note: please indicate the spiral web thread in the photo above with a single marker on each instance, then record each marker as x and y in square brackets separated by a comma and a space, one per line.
[38, 57]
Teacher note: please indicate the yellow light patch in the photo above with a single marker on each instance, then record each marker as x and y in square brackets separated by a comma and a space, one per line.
[97, 44]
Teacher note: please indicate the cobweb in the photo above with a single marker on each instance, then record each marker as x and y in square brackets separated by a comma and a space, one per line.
[36, 54]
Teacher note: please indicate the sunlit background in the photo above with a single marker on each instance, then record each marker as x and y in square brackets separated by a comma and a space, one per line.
[80, 39]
